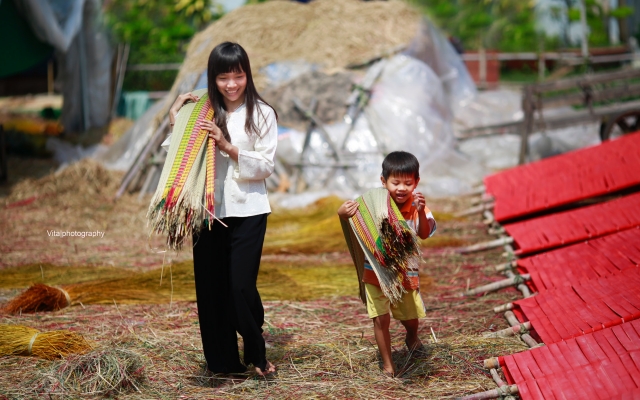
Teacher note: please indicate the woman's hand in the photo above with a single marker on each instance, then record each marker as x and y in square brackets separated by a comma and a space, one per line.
[177, 105]
[348, 209]
[215, 133]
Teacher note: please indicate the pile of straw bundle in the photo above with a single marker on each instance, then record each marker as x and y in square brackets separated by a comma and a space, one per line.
[107, 372]
[26, 341]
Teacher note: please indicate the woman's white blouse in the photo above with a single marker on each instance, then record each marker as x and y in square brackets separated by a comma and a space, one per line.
[240, 188]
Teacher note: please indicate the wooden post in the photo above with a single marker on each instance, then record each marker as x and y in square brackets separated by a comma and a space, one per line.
[482, 55]
[541, 66]
[527, 126]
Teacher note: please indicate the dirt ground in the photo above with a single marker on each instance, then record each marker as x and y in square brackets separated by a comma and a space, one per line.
[323, 347]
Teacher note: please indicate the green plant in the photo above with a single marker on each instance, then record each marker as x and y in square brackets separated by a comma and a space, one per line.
[158, 32]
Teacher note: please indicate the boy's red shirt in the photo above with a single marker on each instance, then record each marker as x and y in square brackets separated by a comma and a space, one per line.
[411, 282]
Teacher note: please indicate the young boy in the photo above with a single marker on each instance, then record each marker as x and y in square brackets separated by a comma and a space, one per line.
[400, 176]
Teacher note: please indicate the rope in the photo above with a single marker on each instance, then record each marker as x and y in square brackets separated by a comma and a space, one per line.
[33, 339]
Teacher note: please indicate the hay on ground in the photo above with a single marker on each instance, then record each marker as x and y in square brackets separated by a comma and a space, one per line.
[83, 182]
[106, 371]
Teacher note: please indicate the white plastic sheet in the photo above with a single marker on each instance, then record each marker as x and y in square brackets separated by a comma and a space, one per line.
[408, 110]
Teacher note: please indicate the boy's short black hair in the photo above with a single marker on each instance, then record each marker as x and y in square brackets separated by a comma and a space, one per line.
[400, 163]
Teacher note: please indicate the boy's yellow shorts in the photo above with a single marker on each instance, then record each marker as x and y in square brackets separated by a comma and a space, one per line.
[410, 307]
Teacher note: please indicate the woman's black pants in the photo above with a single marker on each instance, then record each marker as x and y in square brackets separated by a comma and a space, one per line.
[226, 262]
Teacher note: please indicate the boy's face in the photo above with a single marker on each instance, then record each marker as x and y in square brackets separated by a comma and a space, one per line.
[400, 187]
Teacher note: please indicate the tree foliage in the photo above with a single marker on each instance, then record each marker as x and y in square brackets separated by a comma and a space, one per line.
[158, 30]
[506, 25]
[510, 25]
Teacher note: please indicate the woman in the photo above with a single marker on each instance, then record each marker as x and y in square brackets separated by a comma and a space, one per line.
[226, 257]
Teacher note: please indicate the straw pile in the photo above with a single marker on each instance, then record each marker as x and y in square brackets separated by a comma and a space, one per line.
[22, 340]
[105, 372]
[330, 91]
[332, 33]
[82, 182]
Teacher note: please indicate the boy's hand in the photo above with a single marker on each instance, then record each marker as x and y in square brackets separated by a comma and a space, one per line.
[348, 209]
[419, 201]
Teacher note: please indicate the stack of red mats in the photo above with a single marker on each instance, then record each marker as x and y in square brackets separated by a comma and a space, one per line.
[567, 312]
[555, 230]
[565, 179]
[586, 260]
[601, 365]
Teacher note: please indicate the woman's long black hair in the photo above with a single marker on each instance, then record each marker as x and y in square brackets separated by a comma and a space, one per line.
[231, 57]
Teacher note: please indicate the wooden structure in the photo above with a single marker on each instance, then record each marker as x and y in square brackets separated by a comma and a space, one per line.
[602, 96]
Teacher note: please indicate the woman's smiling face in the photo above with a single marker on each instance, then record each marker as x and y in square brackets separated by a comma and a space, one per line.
[232, 86]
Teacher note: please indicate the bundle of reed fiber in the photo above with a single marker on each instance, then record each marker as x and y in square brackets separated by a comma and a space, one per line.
[173, 282]
[39, 297]
[107, 371]
[26, 341]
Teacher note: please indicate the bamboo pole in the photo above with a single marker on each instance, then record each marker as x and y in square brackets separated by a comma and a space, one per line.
[511, 331]
[484, 198]
[503, 308]
[479, 209]
[524, 289]
[489, 219]
[491, 287]
[485, 245]
[506, 266]
[492, 394]
[513, 321]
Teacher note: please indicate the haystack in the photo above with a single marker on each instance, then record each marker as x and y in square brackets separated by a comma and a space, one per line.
[331, 33]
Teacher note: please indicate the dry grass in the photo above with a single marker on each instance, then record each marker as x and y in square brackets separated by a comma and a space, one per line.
[320, 337]
[105, 372]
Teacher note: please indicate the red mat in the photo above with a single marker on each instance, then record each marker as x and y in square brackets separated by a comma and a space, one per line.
[569, 227]
[602, 365]
[566, 178]
[567, 312]
[579, 262]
